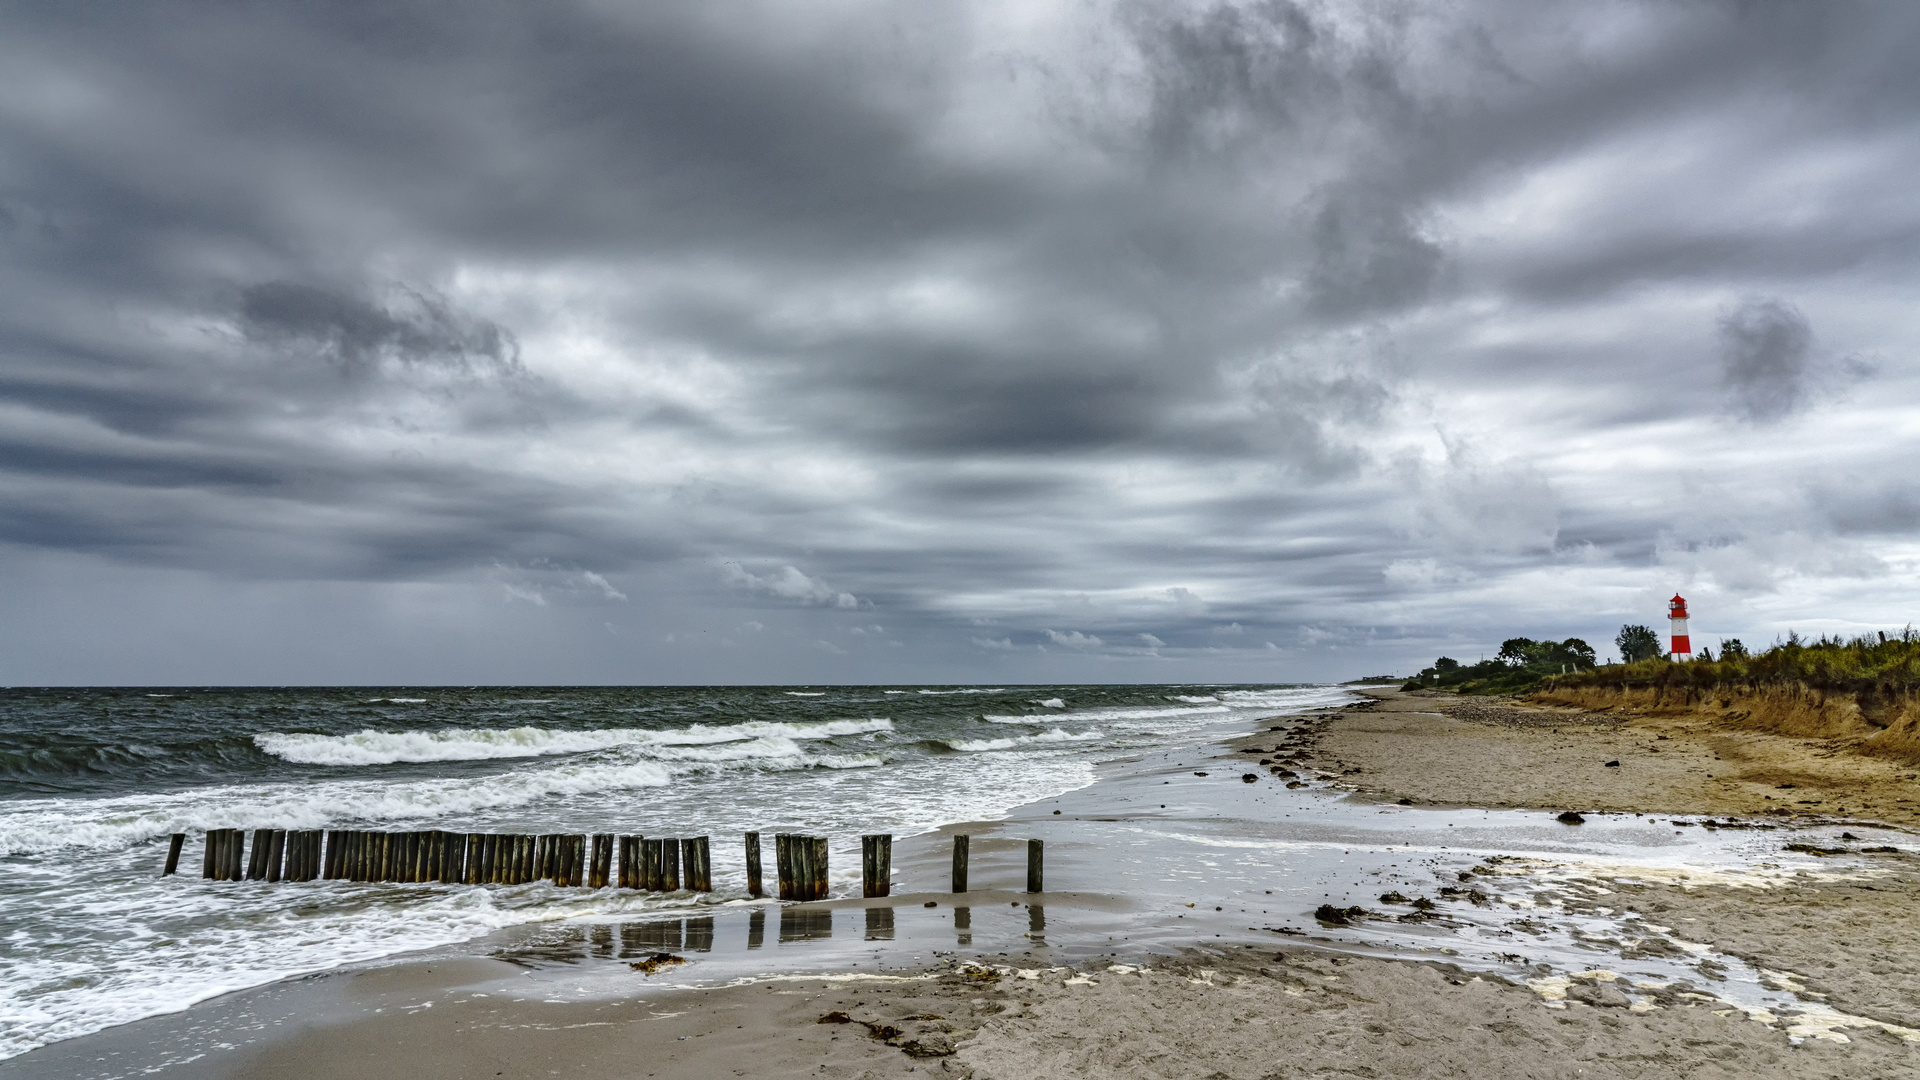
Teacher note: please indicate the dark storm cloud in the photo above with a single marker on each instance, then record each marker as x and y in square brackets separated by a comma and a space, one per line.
[359, 335]
[1765, 355]
[1124, 320]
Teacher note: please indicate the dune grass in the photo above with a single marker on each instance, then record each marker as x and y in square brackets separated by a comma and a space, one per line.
[1865, 690]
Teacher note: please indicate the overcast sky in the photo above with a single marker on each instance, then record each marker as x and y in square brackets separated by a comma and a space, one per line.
[834, 341]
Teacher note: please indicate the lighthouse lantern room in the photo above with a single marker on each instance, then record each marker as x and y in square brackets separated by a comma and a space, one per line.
[1677, 611]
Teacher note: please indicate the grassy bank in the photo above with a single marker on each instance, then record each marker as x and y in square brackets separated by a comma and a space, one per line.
[1864, 691]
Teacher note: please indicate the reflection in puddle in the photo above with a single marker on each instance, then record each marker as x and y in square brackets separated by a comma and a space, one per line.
[1037, 924]
[963, 925]
[805, 925]
[757, 929]
[879, 924]
[571, 944]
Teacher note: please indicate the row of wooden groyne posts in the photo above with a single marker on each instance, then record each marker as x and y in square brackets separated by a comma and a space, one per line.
[568, 860]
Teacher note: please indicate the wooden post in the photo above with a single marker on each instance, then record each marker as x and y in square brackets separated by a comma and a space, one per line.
[819, 867]
[599, 869]
[257, 855]
[669, 865]
[206, 859]
[696, 853]
[876, 864]
[783, 865]
[563, 861]
[960, 846]
[236, 851]
[802, 866]
[174, 844]
[276, 853]
[525, 874]
[1036, 853]
[753, 865]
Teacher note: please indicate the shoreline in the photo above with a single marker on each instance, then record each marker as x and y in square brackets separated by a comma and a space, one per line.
[1170, 995]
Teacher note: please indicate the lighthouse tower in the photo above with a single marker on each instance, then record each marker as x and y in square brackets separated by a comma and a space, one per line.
[1677, 611]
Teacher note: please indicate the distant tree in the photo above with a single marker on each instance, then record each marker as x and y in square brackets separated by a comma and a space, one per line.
[1546, 657]
[1445, 663]
[1637, 643]
[1579, 653]
[1731, 649]
[1518, 650]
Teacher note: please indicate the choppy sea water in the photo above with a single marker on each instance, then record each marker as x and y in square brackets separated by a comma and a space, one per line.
[93, 781]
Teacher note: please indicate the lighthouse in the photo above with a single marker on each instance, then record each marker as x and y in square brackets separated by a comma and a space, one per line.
[1677, 611]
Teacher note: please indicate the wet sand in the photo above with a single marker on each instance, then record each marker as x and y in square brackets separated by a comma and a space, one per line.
[1546, 961]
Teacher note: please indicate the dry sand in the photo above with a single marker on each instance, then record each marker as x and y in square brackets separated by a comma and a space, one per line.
[1439, 748]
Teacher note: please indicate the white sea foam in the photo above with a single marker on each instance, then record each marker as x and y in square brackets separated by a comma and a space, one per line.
[398, 700]
[1050, 703]
[1193, 699]
[970, 690]
[806, 693]
[371, 747]
[1057, 735]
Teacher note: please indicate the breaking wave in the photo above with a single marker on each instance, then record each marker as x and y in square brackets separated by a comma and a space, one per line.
[372, 747]
[1057, 735]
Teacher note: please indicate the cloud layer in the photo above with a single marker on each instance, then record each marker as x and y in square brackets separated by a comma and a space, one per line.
[747, 341]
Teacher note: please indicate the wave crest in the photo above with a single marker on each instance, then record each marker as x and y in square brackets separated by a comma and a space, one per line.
[372, 747]
[1057, 735]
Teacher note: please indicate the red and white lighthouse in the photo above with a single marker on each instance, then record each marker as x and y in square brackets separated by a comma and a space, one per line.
[1677, 611]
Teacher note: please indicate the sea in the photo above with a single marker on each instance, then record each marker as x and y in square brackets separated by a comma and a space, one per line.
[93, 781]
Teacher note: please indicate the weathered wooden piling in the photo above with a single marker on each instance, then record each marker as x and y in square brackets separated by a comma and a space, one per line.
[753, 865]
[801, 863]
[257, 855]
[876, 865]
[960, 853]
[235, 851]
[627, 861]
[276, 853]
[174, 844]
[696, 855]
[601, 867]
[211, 857]
[1036, 853]
[669, 865]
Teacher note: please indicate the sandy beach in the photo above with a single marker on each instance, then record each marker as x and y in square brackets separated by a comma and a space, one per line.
[1632, 967]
